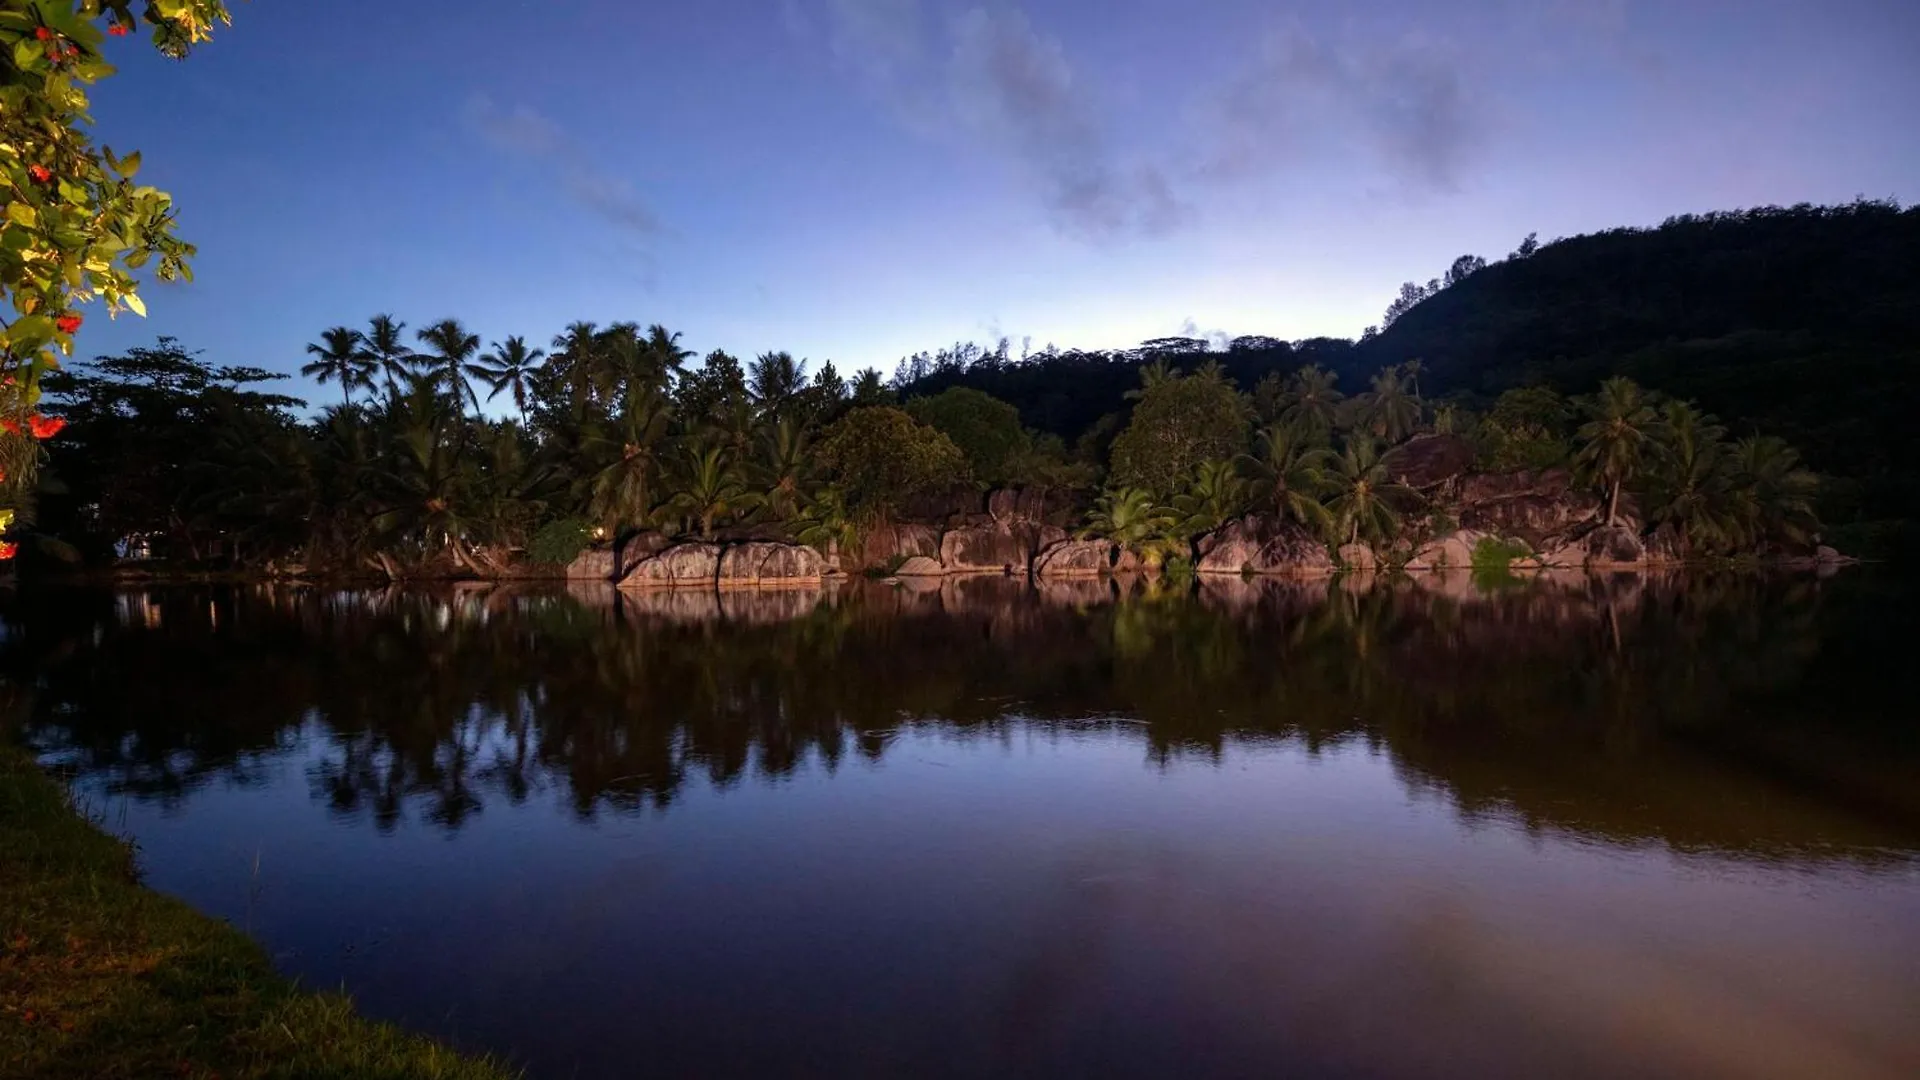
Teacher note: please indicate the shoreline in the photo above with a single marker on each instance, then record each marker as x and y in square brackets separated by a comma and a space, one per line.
[101, 976]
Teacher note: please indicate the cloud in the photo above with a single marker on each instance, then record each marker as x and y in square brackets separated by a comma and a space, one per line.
[524, 132]
[1408, 101]
[1015, 89]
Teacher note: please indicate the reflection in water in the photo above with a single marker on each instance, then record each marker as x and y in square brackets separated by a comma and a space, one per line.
[1579, 734]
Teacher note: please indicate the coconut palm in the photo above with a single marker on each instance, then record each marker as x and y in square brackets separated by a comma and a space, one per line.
[1774, 495]
[388, 349]
[1617, 439]
[1218, 495]
[1130, 517]
[452, 359]
[785, 469]
[1287, 476]
[711, 488]
[1389, 410]
[622, 492]
[1365, 502]
[340, 356]
[1692, 487]
[1311, 404]
[573, 355]
[507, 369]
[776, 379]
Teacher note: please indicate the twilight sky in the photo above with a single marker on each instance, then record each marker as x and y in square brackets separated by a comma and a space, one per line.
[858, 179]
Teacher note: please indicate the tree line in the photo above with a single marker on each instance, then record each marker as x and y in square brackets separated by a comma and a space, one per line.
[614, 430]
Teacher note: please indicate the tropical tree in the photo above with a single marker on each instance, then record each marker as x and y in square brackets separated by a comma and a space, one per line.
[986, 429]
[1218, 495]
[1389, 410]
[1366, 503]
[1311, 404]
[74, 226]
[1132, 518]
[1161, 370]
[1692, 484]
[1774, 495]
[387, 348]
[711, 488]
[1178, 424]
[340, 356]
[1287, 476]
[1617, 439]
[880, 457]
[785, 469]
[622, 492]
[508, 369]
[451, 360]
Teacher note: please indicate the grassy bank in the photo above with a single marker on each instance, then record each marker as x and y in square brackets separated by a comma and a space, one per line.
[101, 977]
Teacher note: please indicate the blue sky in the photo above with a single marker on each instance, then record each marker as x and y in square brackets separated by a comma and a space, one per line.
[855, 180]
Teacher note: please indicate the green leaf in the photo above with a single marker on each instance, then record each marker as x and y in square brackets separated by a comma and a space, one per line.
[26, 54]
[130, 165]
[135, 304]
[22, 214]
[29, 333]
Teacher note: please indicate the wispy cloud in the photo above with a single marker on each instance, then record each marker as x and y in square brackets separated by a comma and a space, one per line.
[1015, 88]
[524, 132]
[1408, 101]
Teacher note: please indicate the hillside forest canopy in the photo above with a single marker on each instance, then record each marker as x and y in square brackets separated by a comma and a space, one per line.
[1680, 371]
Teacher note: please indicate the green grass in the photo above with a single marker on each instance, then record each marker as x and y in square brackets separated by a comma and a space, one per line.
[101, 977]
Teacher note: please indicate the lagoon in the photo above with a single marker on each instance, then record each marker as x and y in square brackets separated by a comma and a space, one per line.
[1581, 826]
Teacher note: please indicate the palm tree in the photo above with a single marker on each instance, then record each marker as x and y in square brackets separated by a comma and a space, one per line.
[621, 493]
[1389, 411]
[1366, 502]
[453, 349]
[777, 379]
[1692, 483]
[1152, 375]
[340, 356]
[711, 488]
[1217, 496]
[1311, 404]
[388, 350]
[1774, 494]
[507, 368]
[573, 356]
[1287, 476]
[785, 468]
[668, 357]
[1616, 439]
[1129, 517]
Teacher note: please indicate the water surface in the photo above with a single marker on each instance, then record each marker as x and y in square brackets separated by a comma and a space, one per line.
[1640, 826]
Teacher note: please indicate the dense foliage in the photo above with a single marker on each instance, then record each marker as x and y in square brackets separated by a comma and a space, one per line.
[76, 227]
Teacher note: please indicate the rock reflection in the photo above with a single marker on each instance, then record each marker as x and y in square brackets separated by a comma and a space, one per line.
[1695, 712]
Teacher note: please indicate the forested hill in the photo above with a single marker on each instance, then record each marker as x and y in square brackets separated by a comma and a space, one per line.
[1802, 322]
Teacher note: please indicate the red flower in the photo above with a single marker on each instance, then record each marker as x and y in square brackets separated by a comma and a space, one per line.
[43, 34]
[118, 30]
[45, 427]
[40, 173]
[9, 427]
[8, 551]
[68, 323]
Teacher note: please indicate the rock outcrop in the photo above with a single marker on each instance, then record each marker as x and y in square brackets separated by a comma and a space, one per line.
[1426, 462]
[1260, 545]
[1000, 548]
[681, 566]
[1075, 558]
[593, 564]
[1358, 557]
[1451, 552]
[1544, 508]
[920, 566]
[884, 545]
[762, 564]
[1614, 547]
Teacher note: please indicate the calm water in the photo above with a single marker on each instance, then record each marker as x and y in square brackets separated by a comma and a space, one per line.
[1656, 827]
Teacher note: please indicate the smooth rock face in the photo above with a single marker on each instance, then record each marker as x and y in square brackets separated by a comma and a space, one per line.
[764, 563]
[1611, 547]
[884, 544]
[677, 567]
[1075, 558]
[1544, 509]
[991, 549]
[1260, 545]
[1427, 461]
[1451, 552]
[637, 547]
[593, 564]
[1358, 557]
[920, 566]
[1828, 555]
